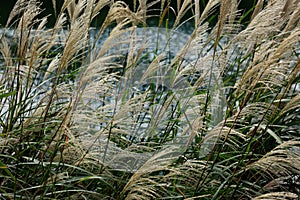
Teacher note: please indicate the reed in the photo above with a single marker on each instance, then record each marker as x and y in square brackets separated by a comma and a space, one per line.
[112, 114]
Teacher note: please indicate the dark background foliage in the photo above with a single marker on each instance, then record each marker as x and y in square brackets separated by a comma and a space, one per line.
[7, 5]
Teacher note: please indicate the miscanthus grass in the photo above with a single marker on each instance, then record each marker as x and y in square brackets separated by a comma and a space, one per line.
[89, 116]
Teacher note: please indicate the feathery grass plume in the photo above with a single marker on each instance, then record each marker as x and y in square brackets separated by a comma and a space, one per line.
[225, 9]
[75, 42]
[292, 105]
[145, 182]
[41, 116]
[21, 7]
[294, 18]
[142, 9]
[183, 180]
[114, 41]
[118, 12]
[232, 138]
[277, 196]
[97, 7]
[76, 9]
[258, 8]
[197, 12]
[96, 86]
[210, 6]
[20, 72]
[270, 56]
[184, 7]
[288, 7]
[25, 117]
[5, 50]
[281, 161]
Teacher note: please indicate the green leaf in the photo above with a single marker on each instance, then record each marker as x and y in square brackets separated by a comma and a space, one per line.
[4, 95]
[6, 169]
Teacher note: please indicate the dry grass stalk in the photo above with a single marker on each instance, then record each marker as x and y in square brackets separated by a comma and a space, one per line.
[277, 196]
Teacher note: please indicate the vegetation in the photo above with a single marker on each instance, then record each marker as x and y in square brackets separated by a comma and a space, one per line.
[80, 119]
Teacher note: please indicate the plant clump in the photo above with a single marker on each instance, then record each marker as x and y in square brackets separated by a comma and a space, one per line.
[126, 111]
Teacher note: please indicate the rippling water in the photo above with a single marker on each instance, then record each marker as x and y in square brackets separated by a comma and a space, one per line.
[157, 41]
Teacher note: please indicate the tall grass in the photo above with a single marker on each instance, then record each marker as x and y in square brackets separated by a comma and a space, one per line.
[112, 118]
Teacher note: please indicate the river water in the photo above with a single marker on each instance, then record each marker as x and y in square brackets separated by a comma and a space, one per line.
[157, 41]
